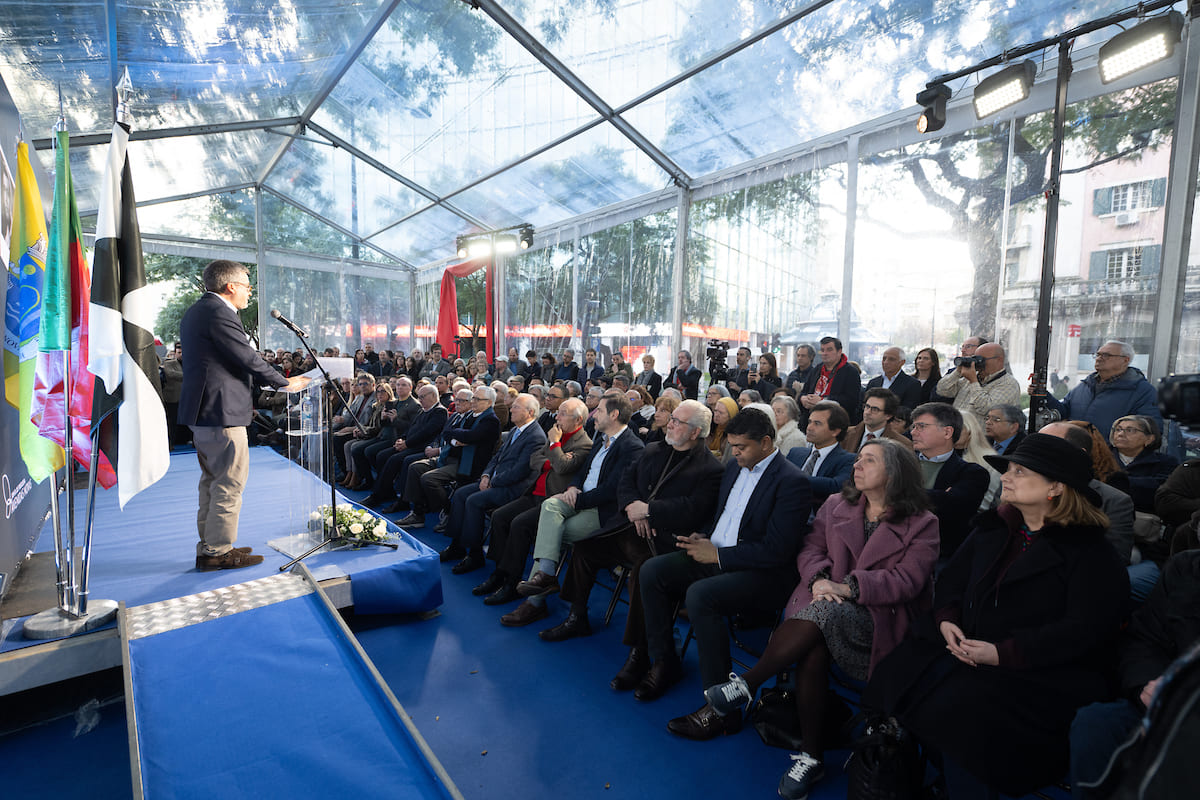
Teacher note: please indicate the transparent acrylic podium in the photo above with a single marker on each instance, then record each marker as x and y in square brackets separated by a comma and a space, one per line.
[308, 488]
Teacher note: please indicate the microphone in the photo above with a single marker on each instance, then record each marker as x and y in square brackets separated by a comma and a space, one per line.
[291, 326]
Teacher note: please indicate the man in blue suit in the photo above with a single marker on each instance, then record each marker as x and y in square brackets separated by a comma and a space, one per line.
[824, 461]
[505, 478]
[744, 561]
[216, 403]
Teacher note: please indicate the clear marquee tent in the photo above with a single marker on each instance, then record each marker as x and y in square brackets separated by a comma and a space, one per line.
[693, 169]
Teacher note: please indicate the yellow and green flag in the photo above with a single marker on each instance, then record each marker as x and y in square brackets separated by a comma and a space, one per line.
[22, 317]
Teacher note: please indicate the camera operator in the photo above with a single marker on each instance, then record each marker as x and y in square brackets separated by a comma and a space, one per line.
[718, 358]
[742, 375]
[981, 381]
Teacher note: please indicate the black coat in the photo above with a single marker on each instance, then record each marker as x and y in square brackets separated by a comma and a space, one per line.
[904, 386]
[1165, 626]
[1054, 616]
[846, 391]
[626, 450]
[1148, 471]
[956, 495]
[773, 523]
[688, 383]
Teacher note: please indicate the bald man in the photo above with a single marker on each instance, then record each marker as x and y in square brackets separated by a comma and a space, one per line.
[982, 383]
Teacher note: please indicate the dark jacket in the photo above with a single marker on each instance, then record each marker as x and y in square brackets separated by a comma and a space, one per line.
[406, 412]
[686, 495]
[956, 495]
[799, 376]
[625, 451]
[774, 522]
[425, 429]
[1054, 616]
[686, 382]
[1012, 446]
[830, 476]
[1166, 625]
[1179, 496]
[477, 439]
[905, 386]
[846, 391]
[583, 375]
[1103, 403]
[1148, 471]
[219, 366]
[651, 380]
[511, 466]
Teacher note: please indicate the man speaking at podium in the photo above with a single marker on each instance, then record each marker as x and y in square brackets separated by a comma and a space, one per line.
[216, 404]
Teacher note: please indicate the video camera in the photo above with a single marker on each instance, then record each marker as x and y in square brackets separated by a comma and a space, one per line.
[718, 355]
[975, 361]
[1179, 398]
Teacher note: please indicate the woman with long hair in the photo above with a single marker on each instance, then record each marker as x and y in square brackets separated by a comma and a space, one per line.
[973, 446]
[768, 379]
[664, 407]
[865, 570]
[927, 370]
[1025, 616]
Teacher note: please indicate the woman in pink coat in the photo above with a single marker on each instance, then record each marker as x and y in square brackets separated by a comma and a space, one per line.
[865, 569]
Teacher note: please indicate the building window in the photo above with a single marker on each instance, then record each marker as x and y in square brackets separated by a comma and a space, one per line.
[1132, 197]
[1125, 262]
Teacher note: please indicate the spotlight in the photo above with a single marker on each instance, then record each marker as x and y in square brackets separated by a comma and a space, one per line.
[505, 243]
[460, 244]
[479, 248]
[526, 234]
[1008, 86]
[934, 100]
[1140, 46]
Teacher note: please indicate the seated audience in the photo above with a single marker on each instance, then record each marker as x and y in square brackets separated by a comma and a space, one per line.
[1005, 428]
[422, 432]
[824, 461]
[955, 487]
[441, 458]
[1025, 615]
[725, 410]
[514, 525]
[643, 410]
[906, 388]
[787, 423]
[836, 379]
[663, 408]
[590, 371]
[360, 439]
[648, 377]
[973, 447]
[743, 561]
[865, 570]
[568, 369]
[748, 396]
[879, 408]
[618, 367]
[926, 371]
[1114, 390]
[1135, 442]
[715, 393]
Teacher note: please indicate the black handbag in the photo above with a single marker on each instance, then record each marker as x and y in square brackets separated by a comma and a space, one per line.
[885, 763]
[775, 718]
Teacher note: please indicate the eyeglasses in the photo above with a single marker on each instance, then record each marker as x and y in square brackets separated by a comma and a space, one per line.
[920, 426]
[1102, 356]
[241, 283]
[1128, 429]
[876, 409]
[990, 418]
[677, 421]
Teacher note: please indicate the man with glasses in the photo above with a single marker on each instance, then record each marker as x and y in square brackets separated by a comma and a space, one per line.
[879, 409]
[1114, 390]
[670, 491]
[955, 487]
[216, 403]
[979, 384]
[1005, 428]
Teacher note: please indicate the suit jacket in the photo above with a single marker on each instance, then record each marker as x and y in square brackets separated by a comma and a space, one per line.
[583, 375]
[774, 521]
[830, 476]
[651, 380]
[406, 412]
[425, 429]
[685, 500]
[1016, 440]
[894, 567]
[686, 382]
[855, 434]
[476, 442]
[625, 450]
[846, 391]
[565, 459]
[956, 495]
[219, 366]
[511, 467]
[905, 386]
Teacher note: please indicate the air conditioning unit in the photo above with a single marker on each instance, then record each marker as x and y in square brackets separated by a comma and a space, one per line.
[1126, 218]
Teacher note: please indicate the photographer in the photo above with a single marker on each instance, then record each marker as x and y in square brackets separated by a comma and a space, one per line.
[742, 375]
[981, 381]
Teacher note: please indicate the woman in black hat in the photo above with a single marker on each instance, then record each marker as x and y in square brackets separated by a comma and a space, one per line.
[1023, 621]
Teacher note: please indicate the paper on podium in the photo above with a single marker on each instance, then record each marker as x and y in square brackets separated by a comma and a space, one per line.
[337, 368]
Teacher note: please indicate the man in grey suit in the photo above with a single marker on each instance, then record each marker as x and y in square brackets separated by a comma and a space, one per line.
[216, 403]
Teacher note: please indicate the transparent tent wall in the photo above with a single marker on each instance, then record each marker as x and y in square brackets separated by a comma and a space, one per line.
[766, 260]
[338, 307]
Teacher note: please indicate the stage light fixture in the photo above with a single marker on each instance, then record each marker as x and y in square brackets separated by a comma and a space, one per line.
[1140, 46]
[460, 244]
[505, 243]
[1008, 86]
[479, 248]
[526, 234]
[934, 100]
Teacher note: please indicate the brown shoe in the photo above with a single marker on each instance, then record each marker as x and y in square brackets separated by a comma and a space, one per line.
[524, 614]
[234, 559]
[705, 723]
[663, 674]
[541, 583]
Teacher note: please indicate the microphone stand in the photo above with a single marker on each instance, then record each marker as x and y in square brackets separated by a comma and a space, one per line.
[330, 537]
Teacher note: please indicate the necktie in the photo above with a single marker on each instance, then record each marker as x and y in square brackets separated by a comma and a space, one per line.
[811, 462]
[999, 447]
[870, 436]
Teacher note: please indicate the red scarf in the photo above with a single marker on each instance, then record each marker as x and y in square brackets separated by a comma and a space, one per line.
[825, 379]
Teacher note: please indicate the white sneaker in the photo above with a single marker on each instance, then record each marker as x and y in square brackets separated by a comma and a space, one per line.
[804, 772]
[726, 697]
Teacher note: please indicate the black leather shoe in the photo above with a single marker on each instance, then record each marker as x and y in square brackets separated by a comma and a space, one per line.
[705, 723]
[505, 594]
[493, 582]
[633, 671]
[374, 500]
[453, 552]
[472, 562]
[400, 506]
[413, 520]
[574, 625]
[663, 674]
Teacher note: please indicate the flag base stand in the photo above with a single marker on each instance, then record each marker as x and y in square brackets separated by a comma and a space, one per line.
[55, 623]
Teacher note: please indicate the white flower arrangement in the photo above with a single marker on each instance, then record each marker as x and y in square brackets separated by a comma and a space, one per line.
[354, 522]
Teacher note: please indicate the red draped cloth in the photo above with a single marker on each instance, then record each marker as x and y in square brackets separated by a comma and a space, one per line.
[447, 327]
